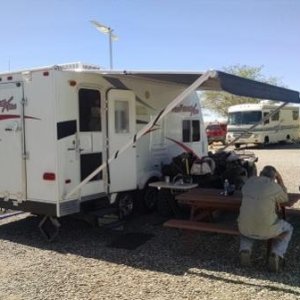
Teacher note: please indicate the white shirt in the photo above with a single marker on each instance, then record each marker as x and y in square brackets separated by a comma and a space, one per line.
[258, 218]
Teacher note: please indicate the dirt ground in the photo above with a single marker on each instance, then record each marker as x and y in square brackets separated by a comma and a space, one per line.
[82, 263]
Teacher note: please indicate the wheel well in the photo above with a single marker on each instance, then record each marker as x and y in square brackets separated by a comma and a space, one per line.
[146, 178]
[151, 179]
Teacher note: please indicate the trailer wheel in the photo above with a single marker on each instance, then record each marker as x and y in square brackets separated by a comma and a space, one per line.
[166, 203]
[149, 199]
[125, 205]
[237, 145]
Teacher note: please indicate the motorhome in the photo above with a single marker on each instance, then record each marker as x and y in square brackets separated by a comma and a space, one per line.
[282, 125]
[58, 124]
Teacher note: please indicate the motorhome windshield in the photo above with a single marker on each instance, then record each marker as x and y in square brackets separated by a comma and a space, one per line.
[244, 117]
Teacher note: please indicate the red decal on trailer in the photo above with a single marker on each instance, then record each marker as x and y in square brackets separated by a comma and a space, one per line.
[6, 117]
[184, 147]
[7, 105]
[184, 108]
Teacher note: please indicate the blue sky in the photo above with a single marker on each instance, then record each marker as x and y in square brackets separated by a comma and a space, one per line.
[184, 35]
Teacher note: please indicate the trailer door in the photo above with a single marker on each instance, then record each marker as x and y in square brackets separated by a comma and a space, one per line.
[121, 129]
[12, 151]
[90, 139]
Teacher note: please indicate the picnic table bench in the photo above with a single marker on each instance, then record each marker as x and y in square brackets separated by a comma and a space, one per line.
[203, 226]
[203, 202]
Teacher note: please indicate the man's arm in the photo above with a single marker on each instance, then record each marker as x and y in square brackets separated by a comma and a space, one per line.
[279, 180]
[291, 202]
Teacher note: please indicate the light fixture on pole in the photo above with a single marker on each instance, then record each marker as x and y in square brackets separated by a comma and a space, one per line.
[111, 37]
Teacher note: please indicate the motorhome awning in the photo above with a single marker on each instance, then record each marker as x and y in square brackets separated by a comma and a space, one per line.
[221, 81]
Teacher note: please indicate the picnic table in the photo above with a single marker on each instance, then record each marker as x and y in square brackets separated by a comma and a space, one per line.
[209, 200]
[204, 202]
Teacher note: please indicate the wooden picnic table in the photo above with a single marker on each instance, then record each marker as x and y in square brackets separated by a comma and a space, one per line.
[204, 202]
[209, 200]
[201, 199]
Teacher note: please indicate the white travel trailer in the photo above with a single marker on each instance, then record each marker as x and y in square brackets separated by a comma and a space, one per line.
[58, 124]
[282, 125]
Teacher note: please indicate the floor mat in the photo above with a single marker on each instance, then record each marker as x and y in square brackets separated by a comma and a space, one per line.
[131, 241]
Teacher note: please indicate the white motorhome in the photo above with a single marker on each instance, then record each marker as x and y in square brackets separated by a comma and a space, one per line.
[58, 124]
[281, 126]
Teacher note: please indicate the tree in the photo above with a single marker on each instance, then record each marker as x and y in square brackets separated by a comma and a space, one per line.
[219, 102]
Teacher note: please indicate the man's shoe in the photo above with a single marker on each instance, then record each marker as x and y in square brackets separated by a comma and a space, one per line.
[275, 262]
[245, 258]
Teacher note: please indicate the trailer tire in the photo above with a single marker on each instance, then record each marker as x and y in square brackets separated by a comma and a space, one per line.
[125, 205]
[237, 145]
[166, 203]
[149, 199]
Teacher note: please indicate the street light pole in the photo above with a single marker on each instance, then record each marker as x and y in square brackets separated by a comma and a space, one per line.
[107, 30]
[110, 49]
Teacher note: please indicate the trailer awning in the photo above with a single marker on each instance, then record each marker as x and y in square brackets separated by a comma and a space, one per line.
[211, 80]
[220, 81]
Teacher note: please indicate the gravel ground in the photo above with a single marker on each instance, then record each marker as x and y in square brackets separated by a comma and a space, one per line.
[79, 264]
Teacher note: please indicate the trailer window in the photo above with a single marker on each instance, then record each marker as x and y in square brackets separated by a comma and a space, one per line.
[121, 117]
[275, 117]
[295, 115]
[89, 110]
[196, 130]
[190, 131]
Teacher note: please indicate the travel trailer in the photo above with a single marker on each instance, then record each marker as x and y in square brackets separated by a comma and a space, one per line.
[282, 125]
[58, 124]
[74, 134]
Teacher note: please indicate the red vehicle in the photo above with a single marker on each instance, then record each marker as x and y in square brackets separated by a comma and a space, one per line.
[216, 132]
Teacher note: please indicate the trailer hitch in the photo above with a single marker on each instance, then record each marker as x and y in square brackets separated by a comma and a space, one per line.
[49, 226]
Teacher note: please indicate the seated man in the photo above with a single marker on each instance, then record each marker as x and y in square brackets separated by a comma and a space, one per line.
[258, 218]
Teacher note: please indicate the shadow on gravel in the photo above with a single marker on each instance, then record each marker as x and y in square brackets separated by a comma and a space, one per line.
[164, 252]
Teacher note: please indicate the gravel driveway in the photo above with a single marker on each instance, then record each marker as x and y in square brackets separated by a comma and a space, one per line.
[79, 264]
